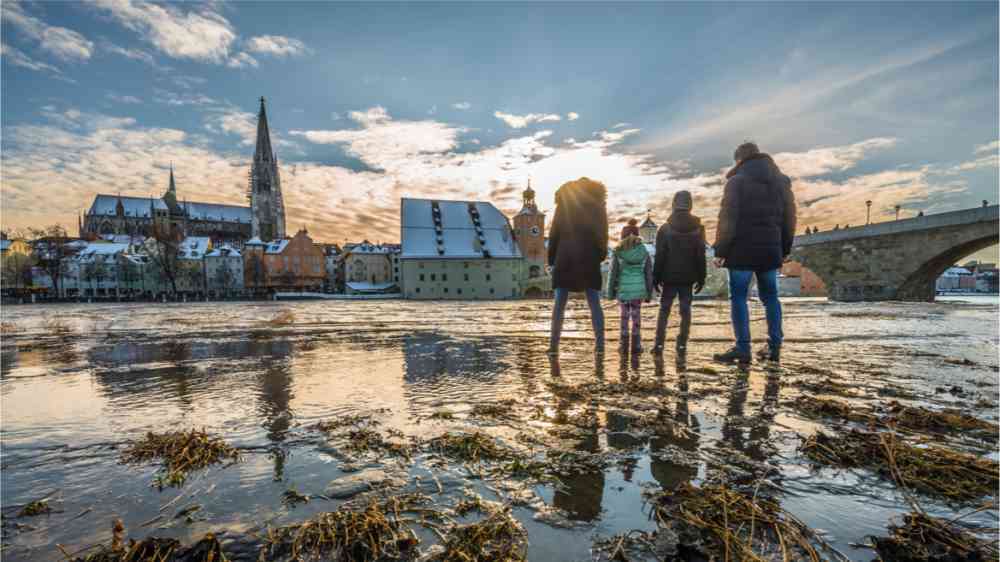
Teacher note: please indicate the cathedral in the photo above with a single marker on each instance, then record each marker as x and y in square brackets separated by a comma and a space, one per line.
[230, 224]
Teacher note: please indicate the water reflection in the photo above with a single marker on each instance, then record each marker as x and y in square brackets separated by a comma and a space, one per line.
[673, 450]
[581, 495]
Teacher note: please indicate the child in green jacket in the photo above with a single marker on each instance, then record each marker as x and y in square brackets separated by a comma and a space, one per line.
[631, 282]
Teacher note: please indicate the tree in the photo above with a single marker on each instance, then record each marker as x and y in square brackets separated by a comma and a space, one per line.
[130, 272]
[15, 270]
[164, 246]
[95, 271]
[256, 271]
[52, 246]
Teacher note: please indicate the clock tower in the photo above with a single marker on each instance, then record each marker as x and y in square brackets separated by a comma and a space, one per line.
[529, 227]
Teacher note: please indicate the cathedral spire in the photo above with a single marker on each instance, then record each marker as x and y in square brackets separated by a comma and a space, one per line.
[263, 151]
[173, 187]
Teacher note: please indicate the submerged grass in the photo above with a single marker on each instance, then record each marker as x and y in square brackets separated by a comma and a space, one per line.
[728, 524]
[931, 470]
[470, 447]
[151, 549]
[181, 452]
[829, 408]
[922, 538]
[497, 538]
[366, 534]
[37, 507]
[940, 421]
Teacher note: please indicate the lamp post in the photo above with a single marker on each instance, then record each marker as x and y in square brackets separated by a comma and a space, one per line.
[868, 204]
[897, 212]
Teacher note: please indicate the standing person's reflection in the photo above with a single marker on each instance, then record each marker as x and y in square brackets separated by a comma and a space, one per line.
[760, 423]
[682, 436]
[554, 369]
[580, 495]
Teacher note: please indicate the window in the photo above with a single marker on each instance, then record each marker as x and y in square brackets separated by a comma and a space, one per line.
[446, 289]
[444, 276]
[488, 265]
[459, 290]
[488, 278]
[420, 265]
[421, 276]
[491, 290]
[466, 276]
[433, 277]
[418, 289]
[466, 265]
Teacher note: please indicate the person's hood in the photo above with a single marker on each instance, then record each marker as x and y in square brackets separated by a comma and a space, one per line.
[683, 222]
[759, 167]
[631, 250]
[583, 191]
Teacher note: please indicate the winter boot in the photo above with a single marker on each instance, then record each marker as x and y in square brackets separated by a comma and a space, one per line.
[734, 355]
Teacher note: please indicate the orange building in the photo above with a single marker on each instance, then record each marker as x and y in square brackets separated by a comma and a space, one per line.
[290, 264]
[529, 230]
[811, 284]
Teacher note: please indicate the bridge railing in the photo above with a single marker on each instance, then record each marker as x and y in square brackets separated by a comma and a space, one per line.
[926, 222]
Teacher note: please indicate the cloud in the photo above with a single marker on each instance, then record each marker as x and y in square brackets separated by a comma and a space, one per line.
[122, 99]
[822, 161]
[173, 98]
[572, 116]
[199, 33]
[18, 58]
[462, 105]
[134, 54]
[521, 121]
[63, 43]
[276, 45]
[242, 60]
[234, 121]
[988, 148]
[187, 82]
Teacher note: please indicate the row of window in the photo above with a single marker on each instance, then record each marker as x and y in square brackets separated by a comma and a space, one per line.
[458, 291]
[444, 277]
[465, 265]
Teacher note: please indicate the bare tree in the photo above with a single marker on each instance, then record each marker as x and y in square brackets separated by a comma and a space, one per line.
[165, 246]
[52, 245]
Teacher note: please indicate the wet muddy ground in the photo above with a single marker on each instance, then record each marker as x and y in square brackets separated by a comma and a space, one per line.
[456, 405]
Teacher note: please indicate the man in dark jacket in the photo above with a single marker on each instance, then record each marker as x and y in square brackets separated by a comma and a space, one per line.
[679, 269]
[753, 238]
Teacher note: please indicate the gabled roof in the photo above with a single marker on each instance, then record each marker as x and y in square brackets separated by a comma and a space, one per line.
[448, 229]
[223, 251]
[276, 246]
[134, 206]
[194, 247]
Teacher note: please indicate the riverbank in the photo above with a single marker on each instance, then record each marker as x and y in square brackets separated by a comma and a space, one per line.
[313, 394]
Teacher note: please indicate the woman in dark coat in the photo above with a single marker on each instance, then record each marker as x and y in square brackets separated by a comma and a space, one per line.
[578, 243]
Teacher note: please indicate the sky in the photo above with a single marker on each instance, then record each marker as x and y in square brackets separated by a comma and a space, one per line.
[896, 103]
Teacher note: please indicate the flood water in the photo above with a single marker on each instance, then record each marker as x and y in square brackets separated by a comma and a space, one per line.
[79, 381]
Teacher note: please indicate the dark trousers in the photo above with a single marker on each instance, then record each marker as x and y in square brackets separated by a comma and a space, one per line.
[684, 295]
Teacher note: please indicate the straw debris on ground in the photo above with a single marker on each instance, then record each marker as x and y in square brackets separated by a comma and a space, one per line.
[37, 507]
[151, 549]
[374, 531]
[722, 523]
[932, 470]
[497, 538]
[922, 538]
[940, 421]
[502, 409]
[473, 447]
[181, 452]
[829, 408]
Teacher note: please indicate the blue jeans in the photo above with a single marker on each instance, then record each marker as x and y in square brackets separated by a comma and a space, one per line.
[767, 289]
[559, 312]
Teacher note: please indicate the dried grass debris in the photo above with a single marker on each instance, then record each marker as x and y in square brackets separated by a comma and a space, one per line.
[181, 452]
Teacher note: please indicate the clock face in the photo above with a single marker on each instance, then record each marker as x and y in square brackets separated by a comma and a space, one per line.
[535, 231]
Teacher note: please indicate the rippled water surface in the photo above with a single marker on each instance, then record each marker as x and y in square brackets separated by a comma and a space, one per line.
[79, 381]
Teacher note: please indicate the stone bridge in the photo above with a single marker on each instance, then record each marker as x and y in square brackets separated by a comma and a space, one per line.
[898, 260]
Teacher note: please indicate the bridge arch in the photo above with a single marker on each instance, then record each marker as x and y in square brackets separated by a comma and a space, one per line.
[920, 285]
[898, 260]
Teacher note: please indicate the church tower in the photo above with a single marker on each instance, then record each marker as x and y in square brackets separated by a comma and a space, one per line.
[529, 227]
[267, 209]
[647, 230]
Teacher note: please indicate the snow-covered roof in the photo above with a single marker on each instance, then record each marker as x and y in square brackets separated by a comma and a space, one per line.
[647, 222]
[364, 286]
[224, 251]
[255, 241]
[100, 249]
[218, 212]
[953, 271]
[367, 248]
[194, 247]
[124, 238]
[276, 246]
[452, 230]
[139, 207]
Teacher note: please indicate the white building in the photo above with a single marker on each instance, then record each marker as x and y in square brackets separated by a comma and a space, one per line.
[457, 250]
[955, 279]
[94, 270]
[368, 268]
[224, 271]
